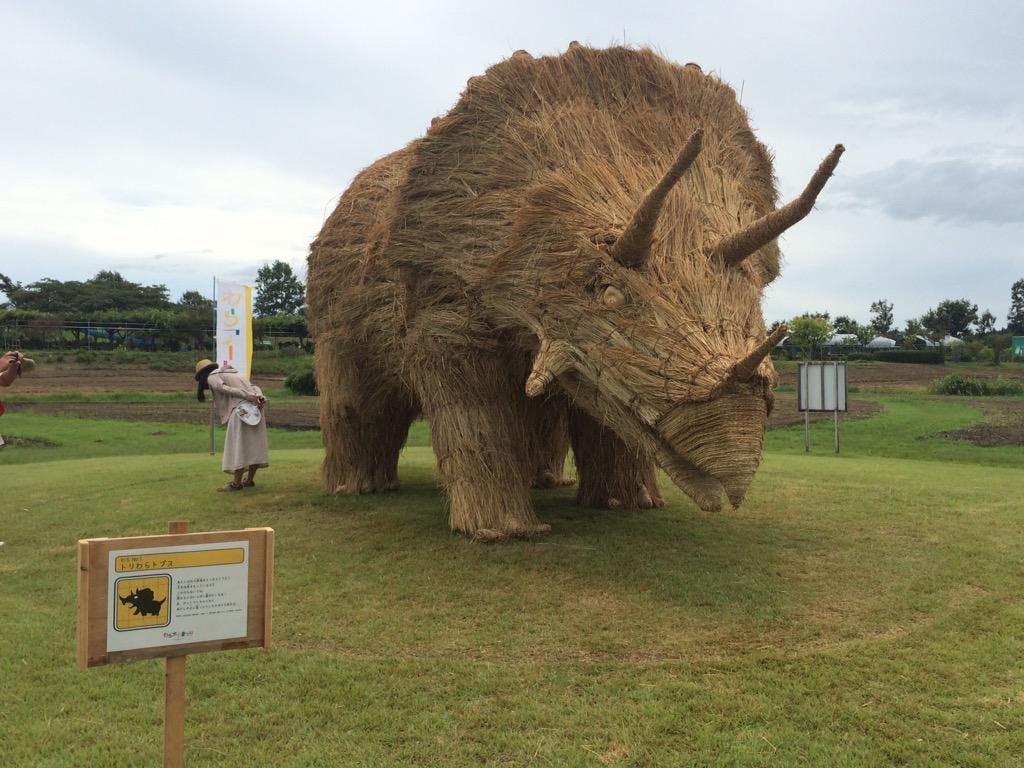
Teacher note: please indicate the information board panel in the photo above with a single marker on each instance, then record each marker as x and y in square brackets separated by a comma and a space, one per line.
[821, 386]
[172, 595]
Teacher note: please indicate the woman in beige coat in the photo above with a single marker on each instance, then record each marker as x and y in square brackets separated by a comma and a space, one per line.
[234, 396]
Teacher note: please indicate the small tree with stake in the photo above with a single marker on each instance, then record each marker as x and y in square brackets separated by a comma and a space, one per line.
[809, 332]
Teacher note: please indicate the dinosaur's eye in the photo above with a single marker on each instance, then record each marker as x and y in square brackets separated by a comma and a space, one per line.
[612, 297]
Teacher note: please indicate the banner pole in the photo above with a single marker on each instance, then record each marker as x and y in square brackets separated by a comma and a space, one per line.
[174, 695]
[213, 416]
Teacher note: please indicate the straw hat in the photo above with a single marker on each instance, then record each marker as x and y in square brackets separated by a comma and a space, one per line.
[27, 365]
[204, 365]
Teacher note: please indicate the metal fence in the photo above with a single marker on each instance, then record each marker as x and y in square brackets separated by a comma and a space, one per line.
[43, 333]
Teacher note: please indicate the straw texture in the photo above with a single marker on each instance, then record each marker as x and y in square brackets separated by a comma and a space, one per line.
[541, 267]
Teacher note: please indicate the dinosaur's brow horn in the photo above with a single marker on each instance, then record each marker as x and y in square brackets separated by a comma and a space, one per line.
[634, 245]
[739, 245]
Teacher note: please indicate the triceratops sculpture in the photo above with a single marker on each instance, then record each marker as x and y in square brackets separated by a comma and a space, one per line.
[545, 260]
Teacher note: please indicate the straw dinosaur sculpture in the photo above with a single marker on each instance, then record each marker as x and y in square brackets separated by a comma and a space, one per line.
[576, 251]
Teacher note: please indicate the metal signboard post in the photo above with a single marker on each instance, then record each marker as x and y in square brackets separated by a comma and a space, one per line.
[821, 386]
[169, 596]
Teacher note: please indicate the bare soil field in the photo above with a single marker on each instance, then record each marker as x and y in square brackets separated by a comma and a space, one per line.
[910, 376]
[1003, 425]
[77, 377]
[785, 413]
[298, 415]
[1003, 422]
[51, 378]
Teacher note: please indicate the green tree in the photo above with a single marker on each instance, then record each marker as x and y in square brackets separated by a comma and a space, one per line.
[278, 290]
[107, 291]
[819, 316]
[864, 333]
[881, 317]
[1015, 319]
[953, 317]
[1000, 344]
[986, 324]
[844, 324]
[911, 331]
[809, 332]
[195, 301]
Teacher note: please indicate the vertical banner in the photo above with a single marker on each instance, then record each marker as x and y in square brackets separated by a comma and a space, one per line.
[234, 326]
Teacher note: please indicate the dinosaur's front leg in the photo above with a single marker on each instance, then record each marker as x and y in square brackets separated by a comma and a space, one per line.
[478, 428]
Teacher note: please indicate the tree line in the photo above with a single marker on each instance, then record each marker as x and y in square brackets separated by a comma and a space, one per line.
[109, 309]
[958, 318]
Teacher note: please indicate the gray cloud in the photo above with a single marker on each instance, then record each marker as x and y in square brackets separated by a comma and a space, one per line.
[956, 190]
[228, 129]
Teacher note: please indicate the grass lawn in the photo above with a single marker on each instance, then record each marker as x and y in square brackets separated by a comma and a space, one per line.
[857, 611]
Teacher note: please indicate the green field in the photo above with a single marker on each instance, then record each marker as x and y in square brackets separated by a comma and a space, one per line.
[858, 610]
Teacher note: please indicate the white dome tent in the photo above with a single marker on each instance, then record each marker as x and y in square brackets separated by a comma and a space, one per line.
[881, 342]
[840, 339]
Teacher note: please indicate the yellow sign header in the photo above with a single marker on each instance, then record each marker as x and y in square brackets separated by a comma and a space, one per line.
[194, 559]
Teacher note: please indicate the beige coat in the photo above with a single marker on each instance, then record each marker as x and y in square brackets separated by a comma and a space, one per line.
[244, 445]
[229, 389]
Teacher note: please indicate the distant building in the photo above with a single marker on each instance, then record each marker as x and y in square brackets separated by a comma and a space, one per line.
[880, 342]
[841, 338]
[950, 341]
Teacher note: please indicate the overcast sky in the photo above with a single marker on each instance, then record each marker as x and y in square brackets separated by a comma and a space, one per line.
[174, 141]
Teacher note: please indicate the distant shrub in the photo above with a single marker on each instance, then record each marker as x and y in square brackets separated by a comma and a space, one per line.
[955, 384]
[860, 356]
[927, 356]
[302, 382]
[85, 356]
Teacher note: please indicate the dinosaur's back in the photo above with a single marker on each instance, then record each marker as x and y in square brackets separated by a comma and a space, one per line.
[351, 294]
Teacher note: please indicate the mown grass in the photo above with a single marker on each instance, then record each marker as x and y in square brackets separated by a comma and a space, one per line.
[908, 429]
[65, 438]
[858, 611]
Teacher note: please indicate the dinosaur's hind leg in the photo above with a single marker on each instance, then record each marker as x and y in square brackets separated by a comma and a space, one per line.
[610, 476]
[364, 421]
[548, 422]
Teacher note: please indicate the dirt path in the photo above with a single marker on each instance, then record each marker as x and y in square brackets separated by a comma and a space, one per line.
[51, 378]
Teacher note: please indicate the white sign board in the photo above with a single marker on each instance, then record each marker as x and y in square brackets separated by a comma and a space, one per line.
[175, 595]
[821, 386]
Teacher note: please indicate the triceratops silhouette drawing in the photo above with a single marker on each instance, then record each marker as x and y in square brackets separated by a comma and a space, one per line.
[143, 603]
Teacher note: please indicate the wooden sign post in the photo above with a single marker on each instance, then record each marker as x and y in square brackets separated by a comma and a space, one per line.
[169, 596]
